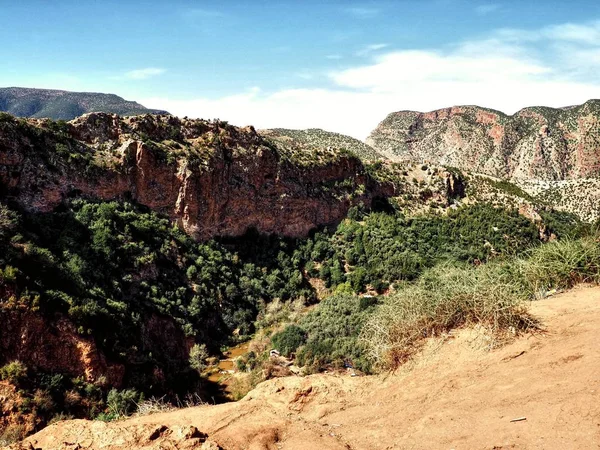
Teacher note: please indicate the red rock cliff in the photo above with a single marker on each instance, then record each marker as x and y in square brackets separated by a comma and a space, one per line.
[210, 177]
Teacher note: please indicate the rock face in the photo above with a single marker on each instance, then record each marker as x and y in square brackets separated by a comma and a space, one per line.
[211, 178]
[54, 346]
[535, 143]
[53, 104]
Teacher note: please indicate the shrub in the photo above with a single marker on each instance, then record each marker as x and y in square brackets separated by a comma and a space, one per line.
[8, 274]
[14, 372]
[288, 340]
[153, 406]
[11, 434]
[332, 331]
[121, 403]
[198, 355]
[43, 400]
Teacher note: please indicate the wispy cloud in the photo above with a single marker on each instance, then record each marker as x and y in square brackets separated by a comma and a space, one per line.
[581, 33]
[363, 12]
[334, 57]
[305, 74]
[368, 49]
[488, 8]
[142, 74]
[588, 33]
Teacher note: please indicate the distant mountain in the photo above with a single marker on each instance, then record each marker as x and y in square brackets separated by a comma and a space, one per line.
[535, 143]
[65, 105]
[315, 138]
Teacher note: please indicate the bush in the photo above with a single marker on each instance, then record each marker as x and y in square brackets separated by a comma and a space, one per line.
[14, 372]
[288, 340]
[198, 355]
[332, 331]
[11, 434]
[121, 403]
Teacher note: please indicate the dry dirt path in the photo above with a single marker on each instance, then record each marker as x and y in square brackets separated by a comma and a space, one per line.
[455, 397]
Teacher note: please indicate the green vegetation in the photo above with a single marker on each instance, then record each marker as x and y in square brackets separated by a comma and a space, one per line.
[333, 330]
[510, 188]
[14, 372]
[562, 264]
[140, 288]
[121, 404]
[384, 248]
[198, 355]
[378, 333]
[288, 340]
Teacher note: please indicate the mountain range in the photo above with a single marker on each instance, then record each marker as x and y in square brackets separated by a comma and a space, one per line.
[535, 143]
[65, 105]
[133, 247]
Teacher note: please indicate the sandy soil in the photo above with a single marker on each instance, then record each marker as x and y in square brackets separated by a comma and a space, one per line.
[456, 396]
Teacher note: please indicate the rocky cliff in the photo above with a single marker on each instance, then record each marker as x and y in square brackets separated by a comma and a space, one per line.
[211, 178]
[535, 143]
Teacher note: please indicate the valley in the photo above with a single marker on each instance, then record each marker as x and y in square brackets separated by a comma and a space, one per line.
[153, 262]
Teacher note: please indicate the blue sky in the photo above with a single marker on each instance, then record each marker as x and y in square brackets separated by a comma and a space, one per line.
[338, 65]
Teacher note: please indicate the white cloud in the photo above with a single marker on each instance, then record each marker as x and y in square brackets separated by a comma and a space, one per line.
[508, 70]
[368, 49]
[363, 12]
[583, 33]
[142, 74]
[419, 67]
[488, 8]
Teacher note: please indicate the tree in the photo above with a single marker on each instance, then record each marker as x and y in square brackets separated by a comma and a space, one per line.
[198, 355]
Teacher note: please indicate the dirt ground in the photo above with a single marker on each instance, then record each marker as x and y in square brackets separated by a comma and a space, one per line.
[457, 395]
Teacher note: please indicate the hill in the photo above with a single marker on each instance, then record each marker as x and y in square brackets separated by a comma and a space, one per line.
[65, 105]
[535, 143]
[456, 395]
[315, 138]
[132, 249]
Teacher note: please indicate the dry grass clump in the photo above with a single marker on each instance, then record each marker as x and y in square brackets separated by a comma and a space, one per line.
[562, 264]
[444, 298]
[153, 406]
[492, 296]
[12, 433]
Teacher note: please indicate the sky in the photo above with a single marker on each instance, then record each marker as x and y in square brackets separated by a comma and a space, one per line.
[337, 65]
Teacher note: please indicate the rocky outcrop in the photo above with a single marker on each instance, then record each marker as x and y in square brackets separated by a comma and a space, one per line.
[211, 178]
[53, 345]
[535, 143]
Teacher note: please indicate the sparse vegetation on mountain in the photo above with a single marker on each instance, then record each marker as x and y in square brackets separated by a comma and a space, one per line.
[64, 105]
[535, 143]
[315, 139]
